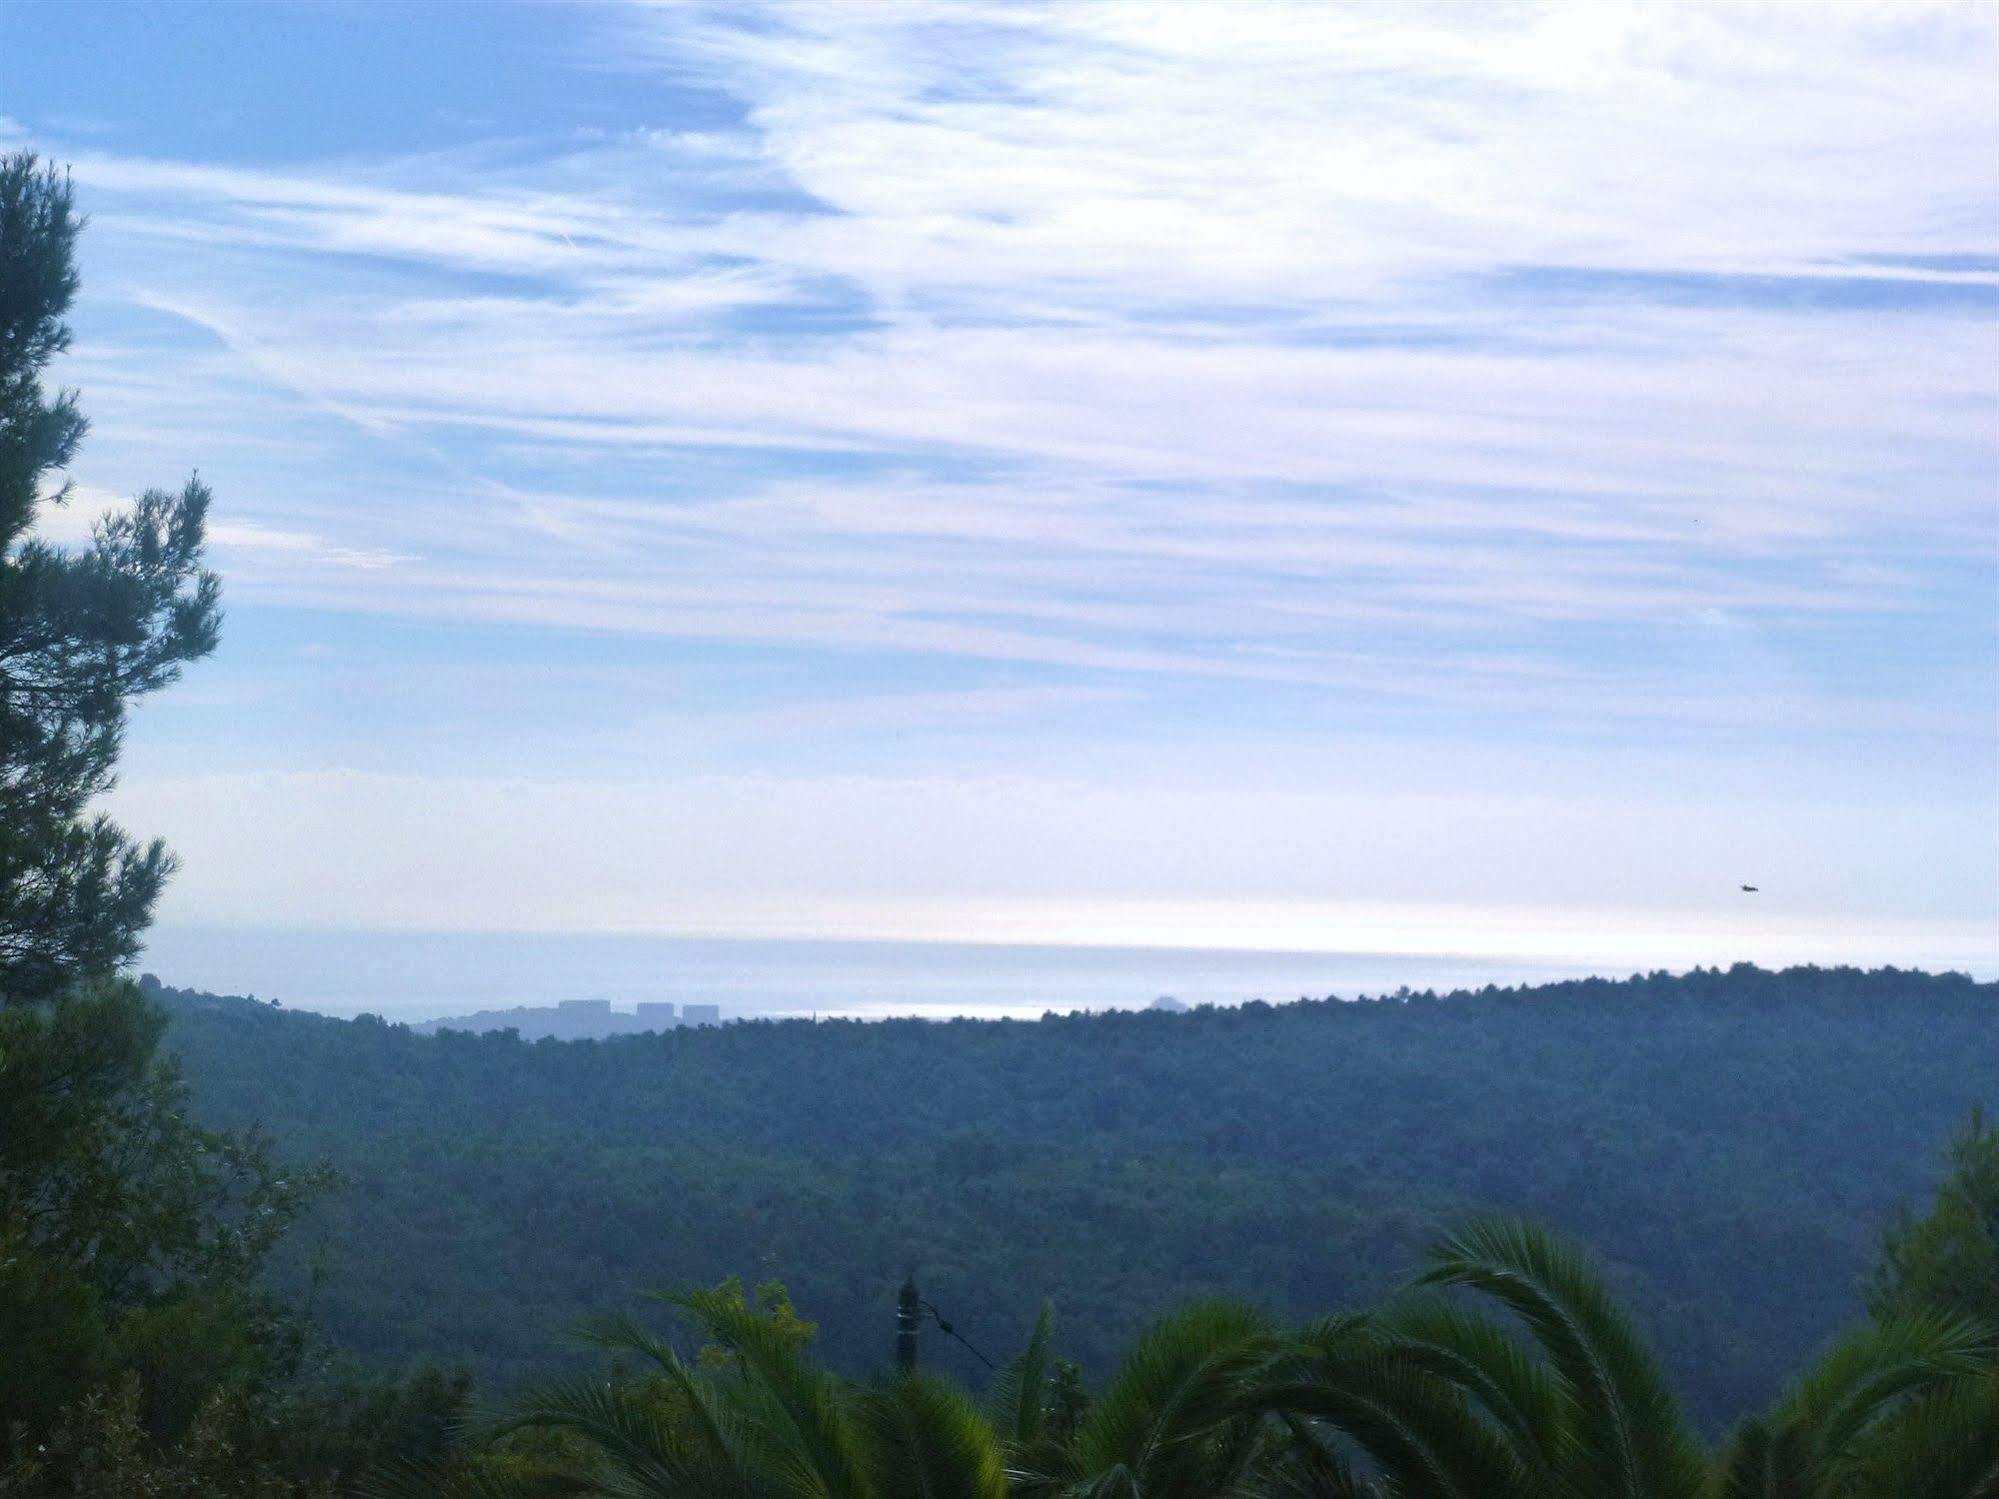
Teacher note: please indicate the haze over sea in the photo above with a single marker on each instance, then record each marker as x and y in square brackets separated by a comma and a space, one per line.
[411, 976]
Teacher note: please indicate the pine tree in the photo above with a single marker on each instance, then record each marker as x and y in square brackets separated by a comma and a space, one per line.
[130, 1238]
[1947, 1260]
[82, 632]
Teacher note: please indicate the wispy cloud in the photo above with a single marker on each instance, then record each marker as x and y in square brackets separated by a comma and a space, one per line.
[1547, 368]
[239, 537]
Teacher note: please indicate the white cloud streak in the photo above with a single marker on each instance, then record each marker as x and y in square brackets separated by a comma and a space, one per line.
[1592, 367]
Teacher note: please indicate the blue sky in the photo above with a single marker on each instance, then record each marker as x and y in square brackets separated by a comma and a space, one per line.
[1460, 478]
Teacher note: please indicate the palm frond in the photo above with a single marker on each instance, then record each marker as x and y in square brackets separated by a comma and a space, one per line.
[1166, 1420]
[1494, 1371]
[1415, 1429]
[706, 1416]
[930, 1441]
[1307, 1467]
[1761, 1462]
[1628, 1440]
[645, 1444]
[1017, 1404]
[1869, 1373]
[802, 1412]
[1940, 1445]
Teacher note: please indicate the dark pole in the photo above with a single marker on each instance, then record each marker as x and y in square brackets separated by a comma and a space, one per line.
[908, 1314]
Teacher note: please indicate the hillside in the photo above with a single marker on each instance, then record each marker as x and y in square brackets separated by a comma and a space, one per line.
[1729, 1142]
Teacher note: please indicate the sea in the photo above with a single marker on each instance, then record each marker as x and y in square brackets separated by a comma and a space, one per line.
[414, 976]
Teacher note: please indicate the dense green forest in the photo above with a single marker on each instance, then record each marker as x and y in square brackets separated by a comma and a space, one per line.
[1730, 1142]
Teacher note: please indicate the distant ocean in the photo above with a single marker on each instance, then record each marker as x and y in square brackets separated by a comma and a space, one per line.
[414, 976]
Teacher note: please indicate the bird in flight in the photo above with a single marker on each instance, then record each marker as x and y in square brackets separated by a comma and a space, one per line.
[1749, 889]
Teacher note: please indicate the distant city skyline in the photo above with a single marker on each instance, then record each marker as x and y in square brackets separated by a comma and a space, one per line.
[1457, 479]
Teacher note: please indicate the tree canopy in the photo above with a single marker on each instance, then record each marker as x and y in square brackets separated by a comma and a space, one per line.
[1729, 1141]
[82, 633]
[1947, 1260]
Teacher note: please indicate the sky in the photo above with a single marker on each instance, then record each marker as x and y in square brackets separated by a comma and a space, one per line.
[1435, 477]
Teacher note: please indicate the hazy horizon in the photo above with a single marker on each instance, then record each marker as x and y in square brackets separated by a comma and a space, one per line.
[414, 976]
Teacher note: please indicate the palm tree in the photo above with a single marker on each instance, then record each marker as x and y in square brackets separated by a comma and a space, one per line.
[1427, 1400]
[768, 1425]
[1444, 1402]
[1431, 1400]
[1020, 1408]
[1216, 1403]
[1176, 1421]
[1595, 1416]
[1565, 1402]
[1896, 1403]
[1543, 1392]
[1945, 1445]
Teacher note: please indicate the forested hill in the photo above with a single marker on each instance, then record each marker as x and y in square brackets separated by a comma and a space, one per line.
[1729, 1142]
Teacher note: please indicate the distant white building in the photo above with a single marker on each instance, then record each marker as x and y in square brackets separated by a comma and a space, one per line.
[656, 1015]
[584, 1006]
[701, 1014]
